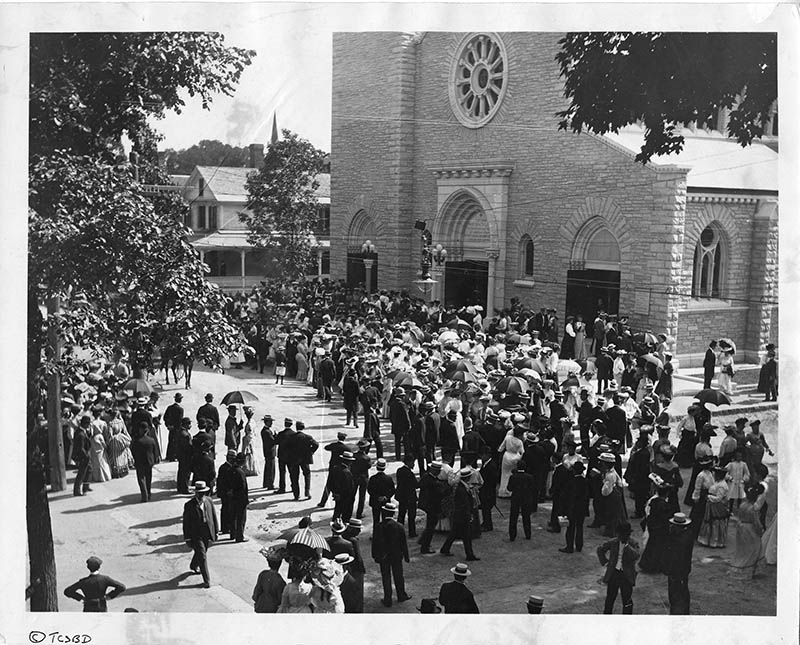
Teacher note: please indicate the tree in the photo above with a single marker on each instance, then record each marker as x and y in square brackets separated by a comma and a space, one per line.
[117, 259]
[206, 153]
[283, 202]
[668, 80]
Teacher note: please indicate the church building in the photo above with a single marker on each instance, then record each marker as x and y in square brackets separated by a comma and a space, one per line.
[457, 133]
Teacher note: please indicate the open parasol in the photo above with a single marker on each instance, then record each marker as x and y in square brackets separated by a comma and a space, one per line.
[646, 337]
[527, 372]
[138, 386]
[238, 397]
[727, 344]
[511, 385]
[448, 336]
[715, 397]
[462, 375]
[310, 538]
[459, 365]
[565, 366]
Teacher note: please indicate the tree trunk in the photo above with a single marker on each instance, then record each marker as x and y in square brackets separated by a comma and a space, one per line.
[44, 594]
[58, 468]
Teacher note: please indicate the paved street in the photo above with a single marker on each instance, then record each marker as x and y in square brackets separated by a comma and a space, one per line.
[142, 545]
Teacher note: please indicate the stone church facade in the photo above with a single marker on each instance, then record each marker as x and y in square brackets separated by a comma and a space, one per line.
[459, 131]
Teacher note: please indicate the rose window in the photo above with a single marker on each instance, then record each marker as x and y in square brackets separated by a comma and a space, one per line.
[479, 77]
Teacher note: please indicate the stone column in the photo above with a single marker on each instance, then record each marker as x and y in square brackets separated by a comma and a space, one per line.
[437, 273]
[368, 264]
[491, 294]
[242, 253]
[319, 261]
[763, 277]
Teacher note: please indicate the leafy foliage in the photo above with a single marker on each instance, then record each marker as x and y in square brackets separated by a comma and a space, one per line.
[206, 153]
[88, 89]
[283, 203]
[126, 272]
[668, 80]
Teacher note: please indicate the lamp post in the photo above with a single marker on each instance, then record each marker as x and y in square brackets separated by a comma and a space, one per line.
[425, 282]
[439, 255]
[368, 254]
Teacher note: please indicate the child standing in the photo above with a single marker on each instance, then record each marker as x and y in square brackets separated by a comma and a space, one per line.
[738, 476]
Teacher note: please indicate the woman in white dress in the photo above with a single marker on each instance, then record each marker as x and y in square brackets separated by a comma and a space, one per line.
[726, 372]
[512, 449]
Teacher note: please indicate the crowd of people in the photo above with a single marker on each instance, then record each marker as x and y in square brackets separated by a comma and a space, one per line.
[530, 417]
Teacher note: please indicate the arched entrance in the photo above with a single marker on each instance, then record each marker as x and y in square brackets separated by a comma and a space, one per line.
[462, 228]
[594, 277]
[362, 229]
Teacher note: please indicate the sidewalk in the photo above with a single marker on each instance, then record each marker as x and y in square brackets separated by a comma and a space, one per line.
[142, 546]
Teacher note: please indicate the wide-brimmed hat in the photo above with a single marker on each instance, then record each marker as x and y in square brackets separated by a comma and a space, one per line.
[267, 417]
[142, 400]
[607, 457]
[466, 471]
[337, 526]
[200, 486]
[461, 569]
[680, 519]
[757, 422]
[363, 443]
[389, 507]
[347, 456]
[121, 395]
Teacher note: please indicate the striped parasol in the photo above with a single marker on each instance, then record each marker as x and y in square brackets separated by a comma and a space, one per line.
[310, 538]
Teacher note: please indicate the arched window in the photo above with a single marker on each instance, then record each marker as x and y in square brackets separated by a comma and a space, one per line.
[602, 252]
[526, 257]
[709, 263]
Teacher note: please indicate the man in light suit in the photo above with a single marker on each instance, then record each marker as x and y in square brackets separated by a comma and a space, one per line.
[200, 528]
[619, 557]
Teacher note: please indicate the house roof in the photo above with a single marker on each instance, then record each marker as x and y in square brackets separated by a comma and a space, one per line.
[228, 184]
[231, 239]
[714, 161]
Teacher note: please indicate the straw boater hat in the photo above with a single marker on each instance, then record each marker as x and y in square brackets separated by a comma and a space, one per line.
[337, 526]
[461, 569]
[680, 519]
[200, 486]
[343, 558]
[389, 507]
[607, 457]
[347, 456]
[380, 464]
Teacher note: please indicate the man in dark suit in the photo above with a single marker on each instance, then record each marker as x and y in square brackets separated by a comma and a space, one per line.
[336, 449]
[342, 486]
[239, 498]
[300, 449]
[203, 440]
[557, 412]
[357, 568]
[463, 506]
[415, 444]
[400, 420]
[389, 550]
[233, 430]
[455, 597]
[448, 438]
[327, 375]
[619, 556]
[381, 489]
[81, 455]
[432, 422]
[94, 588]
[209, 412]
[431, 491]
[350, 392]
[200, 529]
[183, 453]
[224, 491]
[336, 543]
[487, 495]
[173, 416]
[585, 418]
[359, 467]
[406, 494]
[372, 426]
[709, 364]
[576, 506]
[283, 451]
[472, 445]
[269, 445]
[523, 499]
[617, 425]
[677, 563]
[143, 449]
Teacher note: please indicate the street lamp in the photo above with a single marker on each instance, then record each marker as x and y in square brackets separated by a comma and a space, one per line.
[439, 255]
[425, 283]
[368, 254]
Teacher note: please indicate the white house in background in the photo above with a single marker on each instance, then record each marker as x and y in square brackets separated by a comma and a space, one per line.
[216, 196]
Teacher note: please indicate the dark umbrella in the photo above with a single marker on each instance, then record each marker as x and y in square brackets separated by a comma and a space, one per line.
[521, 363]
[511, 385]
[572, 381]
[138, 386]
[462, 375]
[238, 396]
[711, 395]
[459, 365]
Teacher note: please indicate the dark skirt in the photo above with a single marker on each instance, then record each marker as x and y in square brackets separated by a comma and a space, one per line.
[652, 556]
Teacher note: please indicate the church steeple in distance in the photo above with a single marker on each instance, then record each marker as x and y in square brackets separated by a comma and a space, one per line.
[274, 138]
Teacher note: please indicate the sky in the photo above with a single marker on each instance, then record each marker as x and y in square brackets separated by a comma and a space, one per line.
[290, 76]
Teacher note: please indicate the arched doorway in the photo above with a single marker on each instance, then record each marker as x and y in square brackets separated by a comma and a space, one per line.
[462, 228]
[593, 281]
[362, 229]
